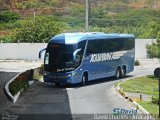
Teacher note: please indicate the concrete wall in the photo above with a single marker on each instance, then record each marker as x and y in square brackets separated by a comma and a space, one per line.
[140, 47]
[30, 50]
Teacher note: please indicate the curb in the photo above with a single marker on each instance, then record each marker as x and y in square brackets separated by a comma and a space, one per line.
[141, 108]
[16, 96]
[11, 97]
[120, 91]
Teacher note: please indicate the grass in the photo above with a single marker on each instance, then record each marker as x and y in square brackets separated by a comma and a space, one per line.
[116, 84]
[150, 107]
[37, 76]
[21, 82]
[146, 85]
[38, 73]
[17, 85]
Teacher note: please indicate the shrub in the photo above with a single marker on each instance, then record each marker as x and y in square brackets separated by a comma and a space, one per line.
[20, 83]
[40, 30]
[38, 73]
[6, 39]
[8, 16]
[137, 63]
[17, 85]
[155, 99]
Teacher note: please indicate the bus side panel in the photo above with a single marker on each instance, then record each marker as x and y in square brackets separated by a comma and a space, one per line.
[97, 70]
[128, 61]
[131, 57]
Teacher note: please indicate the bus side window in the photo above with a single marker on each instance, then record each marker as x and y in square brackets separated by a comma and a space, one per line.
[81, 45]
[79, 56]
[78, 60]
[91, 48]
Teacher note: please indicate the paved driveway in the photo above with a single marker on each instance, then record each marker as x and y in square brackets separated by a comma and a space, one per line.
[97, 97]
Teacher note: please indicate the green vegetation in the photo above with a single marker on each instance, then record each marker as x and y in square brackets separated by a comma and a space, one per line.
[17, 85]
[21, 82]
[137, 63]
[150, 107]
[39, 30]
[153, 51]
[37, 76]
[147, 85]
[8, 16]
[17, 18]
[38, 73]
[6, 39]
[155, 99]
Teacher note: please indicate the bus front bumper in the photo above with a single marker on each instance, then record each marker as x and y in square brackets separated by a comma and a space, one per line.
[58, 78]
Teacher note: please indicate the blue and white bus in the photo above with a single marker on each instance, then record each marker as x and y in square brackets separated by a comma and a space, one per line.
[81, 57]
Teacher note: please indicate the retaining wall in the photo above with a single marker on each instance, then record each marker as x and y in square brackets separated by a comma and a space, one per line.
[30, 51]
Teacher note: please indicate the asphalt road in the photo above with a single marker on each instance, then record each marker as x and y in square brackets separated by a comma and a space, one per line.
[47, 101]
[4, 78]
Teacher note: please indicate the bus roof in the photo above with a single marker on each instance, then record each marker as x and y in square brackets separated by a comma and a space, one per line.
[72, 38]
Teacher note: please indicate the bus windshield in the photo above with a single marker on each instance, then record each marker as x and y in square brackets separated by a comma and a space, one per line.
[66, 61]
[59, 58]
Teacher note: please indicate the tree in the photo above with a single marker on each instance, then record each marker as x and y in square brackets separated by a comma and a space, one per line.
[7, 16]
[153, 51]
[39, 30]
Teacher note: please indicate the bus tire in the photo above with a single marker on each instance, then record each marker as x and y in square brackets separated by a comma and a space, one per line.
[84, 79]
[118, 72]
[123, 72]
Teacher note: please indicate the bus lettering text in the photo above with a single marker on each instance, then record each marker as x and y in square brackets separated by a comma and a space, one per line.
[101, 57]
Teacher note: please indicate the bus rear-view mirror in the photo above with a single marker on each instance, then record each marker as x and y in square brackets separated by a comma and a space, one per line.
[75, 53]
[40, 52]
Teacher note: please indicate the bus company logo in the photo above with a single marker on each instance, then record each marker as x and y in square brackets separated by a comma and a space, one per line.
[101, 57]
[106, 56]
[119, 111]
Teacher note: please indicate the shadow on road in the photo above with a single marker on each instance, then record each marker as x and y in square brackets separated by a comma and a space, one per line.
[4, 78]
[46, 101]
[98, 81]
[42, 102]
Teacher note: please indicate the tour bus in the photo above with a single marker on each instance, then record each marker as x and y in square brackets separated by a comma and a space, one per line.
[81, 57]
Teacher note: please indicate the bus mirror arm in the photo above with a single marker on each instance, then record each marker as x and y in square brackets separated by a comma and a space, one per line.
[75, 53]
[40, 52]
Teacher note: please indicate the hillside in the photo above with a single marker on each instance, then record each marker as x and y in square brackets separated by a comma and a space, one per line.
[26, 7]
[138, 17]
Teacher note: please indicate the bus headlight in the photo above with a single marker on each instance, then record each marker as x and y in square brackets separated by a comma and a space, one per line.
[69, 81]
[73, 73]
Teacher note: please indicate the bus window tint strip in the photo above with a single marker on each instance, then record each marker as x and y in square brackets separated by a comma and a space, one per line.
[110, 45]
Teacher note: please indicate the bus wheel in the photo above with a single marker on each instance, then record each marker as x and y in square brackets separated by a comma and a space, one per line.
[118, 71]
[123, 71]
[84, 79]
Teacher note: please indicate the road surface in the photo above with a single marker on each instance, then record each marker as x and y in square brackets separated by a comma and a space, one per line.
[4, 78]
[98, 97]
